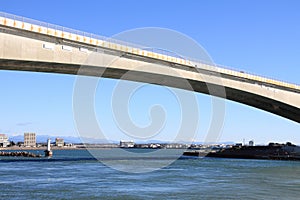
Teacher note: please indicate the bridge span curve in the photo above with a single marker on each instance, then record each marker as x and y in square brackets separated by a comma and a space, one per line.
[39, 47]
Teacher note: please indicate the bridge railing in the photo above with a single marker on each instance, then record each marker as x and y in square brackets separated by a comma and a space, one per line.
[27, 24]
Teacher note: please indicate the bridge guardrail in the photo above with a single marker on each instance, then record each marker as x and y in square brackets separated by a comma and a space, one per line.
[24, 23]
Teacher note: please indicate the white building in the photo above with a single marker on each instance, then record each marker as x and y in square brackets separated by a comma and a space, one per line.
[126, 144]
[59, 142]
[4, 140]
[29, 140]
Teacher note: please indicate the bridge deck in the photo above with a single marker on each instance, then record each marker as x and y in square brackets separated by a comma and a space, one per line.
[25, 24]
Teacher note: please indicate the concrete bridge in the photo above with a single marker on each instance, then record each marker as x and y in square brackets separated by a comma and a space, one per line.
[30, 45]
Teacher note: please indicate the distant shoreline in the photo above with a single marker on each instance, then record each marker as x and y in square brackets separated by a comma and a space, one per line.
[72, 148]
[38, 148]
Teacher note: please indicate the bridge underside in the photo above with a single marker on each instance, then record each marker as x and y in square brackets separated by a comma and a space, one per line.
[254, 100]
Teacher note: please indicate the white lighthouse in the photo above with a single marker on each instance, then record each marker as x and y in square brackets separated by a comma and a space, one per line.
[48, 152]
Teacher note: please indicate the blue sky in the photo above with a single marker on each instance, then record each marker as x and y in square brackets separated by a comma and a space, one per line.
[261, 37]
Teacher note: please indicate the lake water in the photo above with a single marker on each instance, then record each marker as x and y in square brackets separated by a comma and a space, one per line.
[74, 174]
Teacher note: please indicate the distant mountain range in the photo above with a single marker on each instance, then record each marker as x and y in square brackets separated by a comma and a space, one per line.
[76, 140]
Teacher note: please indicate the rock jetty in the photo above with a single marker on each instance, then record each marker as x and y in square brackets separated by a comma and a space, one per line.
[20, 154]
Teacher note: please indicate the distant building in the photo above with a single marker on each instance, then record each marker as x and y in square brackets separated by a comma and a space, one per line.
[4, 140]
[142, 145]
[251, 143]
[29, 140]
[154, 146]
[126, 144]
[176, 146]
[238, 145]
[59, 142]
